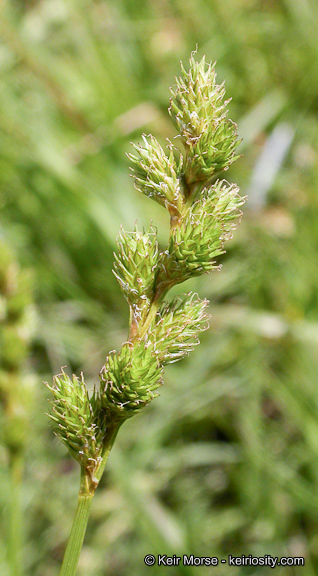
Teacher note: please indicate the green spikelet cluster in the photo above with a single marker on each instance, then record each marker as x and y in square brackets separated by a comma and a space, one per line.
[200, 237]
[77, 420]
[157, 174]
[199, 113]
[135, 264]
[135, 268]
[177, 326]
[202, 216]
[129, 379]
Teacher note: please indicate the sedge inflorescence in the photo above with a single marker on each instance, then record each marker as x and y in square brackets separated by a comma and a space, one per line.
[204, 211]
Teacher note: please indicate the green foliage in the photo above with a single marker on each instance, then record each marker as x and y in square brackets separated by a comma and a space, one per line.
[15, 332]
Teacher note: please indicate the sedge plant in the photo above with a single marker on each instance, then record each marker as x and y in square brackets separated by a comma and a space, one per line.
[204, 211]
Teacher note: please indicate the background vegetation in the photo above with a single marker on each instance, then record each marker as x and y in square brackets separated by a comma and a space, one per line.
[226, 460]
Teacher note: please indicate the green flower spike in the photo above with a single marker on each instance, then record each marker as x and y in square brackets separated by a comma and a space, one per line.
[199, 239]
[129, 379]
[203, 215]
[158, 175]
[77, 421]
[135, 269]
[199, 113]
[177, 326]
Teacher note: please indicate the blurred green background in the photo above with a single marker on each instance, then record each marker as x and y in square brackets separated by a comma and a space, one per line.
[226, 460]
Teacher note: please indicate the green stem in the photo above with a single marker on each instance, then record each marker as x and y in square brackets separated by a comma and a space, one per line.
[151, 315]
[15, 523]
[78, 530]
[85, 499]
[160, 290]
[108, 444]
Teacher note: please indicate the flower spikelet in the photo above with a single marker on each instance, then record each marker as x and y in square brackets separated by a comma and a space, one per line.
[199, 112]
[194, 245]
[135, 263]
[74, 419]
[177, 327]
[135, 269]
[129, 379]
[157, 175]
